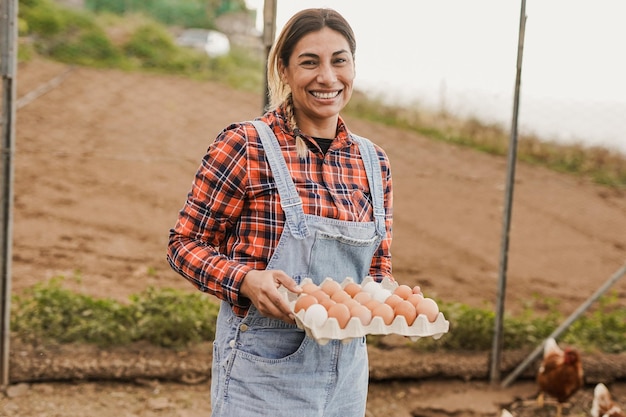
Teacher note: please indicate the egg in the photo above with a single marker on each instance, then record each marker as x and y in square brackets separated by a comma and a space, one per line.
[352, 288]
[340, 296]
[417, 290]
[327, 303]
[403, 291]
[371, 287]
[330, 286]
[320, 295]
[415, 299]
[309, 288]
[341, 313]
[381, 294]
[351, 303]
[315, 316]
[429, 308]
[406, 310]
[393, 300]
[304, 302]
[361, 312]
[362, 297]
[371, 304]
[383, 311]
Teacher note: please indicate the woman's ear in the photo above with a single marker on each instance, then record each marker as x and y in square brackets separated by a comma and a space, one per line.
[282, 71]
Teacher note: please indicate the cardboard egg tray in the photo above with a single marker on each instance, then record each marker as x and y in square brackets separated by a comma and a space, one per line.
[330, 330]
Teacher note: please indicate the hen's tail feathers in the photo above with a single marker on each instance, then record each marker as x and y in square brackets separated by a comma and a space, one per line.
[550, 346]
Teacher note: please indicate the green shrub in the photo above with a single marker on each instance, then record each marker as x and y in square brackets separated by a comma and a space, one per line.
[163, 317]
[166, 317]
[49, 312]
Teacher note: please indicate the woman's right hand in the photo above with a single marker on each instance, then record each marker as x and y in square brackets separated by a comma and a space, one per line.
[261, 287]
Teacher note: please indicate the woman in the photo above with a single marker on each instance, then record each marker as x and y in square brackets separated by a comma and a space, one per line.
[288, 196]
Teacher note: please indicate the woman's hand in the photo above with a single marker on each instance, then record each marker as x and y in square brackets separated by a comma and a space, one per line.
[261, 287]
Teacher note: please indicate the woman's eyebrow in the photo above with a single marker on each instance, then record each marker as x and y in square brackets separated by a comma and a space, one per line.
[312, 55]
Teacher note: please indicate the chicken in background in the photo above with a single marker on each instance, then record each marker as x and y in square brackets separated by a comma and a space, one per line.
[603, 405]
[560, 375]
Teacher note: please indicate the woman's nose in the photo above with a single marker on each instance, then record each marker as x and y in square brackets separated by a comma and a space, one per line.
[326, 74]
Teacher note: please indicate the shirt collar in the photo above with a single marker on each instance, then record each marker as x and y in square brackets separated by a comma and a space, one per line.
[343, 134]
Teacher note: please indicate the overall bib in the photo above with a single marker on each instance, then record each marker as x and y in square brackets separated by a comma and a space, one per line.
[266, 367]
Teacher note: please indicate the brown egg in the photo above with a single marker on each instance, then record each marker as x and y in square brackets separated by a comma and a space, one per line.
[352, 288]
[340, 296]
[393, 300]
[417, 290]
[407, 310]
[383, 311]
[327, 303]
[361, 312]
[429, 308]
[403, 291]
[362, 297]
[372, 304]
[309, 288]
[415, 299]
[341, 313]
[330, 286]
[351, 303]
[320, 295]
[303, 302]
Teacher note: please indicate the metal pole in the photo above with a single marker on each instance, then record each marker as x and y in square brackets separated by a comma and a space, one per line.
[494, 373]
[8, 65]
[269, 33]
[579, 311]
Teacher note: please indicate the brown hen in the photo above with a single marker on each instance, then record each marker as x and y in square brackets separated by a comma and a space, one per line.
[560, 374]
[603, 405]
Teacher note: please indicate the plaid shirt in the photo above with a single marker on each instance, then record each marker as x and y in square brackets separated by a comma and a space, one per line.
[232, 219]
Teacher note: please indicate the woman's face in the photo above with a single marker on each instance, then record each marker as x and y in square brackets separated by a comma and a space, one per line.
[320, 74]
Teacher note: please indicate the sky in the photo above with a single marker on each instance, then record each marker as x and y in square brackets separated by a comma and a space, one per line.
[461, 56]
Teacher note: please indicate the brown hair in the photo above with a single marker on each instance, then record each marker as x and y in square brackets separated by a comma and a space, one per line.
[300, 24]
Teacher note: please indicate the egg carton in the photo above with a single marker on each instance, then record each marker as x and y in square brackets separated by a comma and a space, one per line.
[330, 329]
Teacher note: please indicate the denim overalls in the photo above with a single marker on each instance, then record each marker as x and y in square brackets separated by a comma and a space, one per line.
[266, 367]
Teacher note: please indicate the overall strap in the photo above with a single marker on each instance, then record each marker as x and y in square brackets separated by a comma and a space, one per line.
[290, 201]
[374, 177]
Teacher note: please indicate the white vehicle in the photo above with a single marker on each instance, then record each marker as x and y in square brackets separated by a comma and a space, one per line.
[214, 43]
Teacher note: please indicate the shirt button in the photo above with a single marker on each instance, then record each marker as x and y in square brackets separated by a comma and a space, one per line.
[243, 327]
[232, 343]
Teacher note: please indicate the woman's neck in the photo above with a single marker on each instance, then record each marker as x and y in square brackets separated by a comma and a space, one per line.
[326, 128]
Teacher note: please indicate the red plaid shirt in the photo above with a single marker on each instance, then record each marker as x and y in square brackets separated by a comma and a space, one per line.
[232, 219]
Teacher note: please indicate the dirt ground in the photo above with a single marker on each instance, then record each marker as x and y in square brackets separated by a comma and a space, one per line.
[104, 160]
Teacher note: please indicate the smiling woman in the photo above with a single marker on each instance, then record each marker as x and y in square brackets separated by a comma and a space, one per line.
[271, 205]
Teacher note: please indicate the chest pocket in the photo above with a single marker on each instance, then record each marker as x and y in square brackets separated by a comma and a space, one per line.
[338, 256]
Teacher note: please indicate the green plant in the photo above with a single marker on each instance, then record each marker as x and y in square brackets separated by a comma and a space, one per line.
[163, 317]
[49, 312]
[172, 318]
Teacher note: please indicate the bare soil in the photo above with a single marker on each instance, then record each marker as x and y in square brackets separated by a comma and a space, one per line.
[103, 162]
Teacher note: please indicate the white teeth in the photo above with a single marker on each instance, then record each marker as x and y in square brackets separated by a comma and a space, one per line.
[326, 95]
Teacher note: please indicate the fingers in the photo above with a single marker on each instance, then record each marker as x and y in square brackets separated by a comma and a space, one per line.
[261, 287]
[287, 282]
